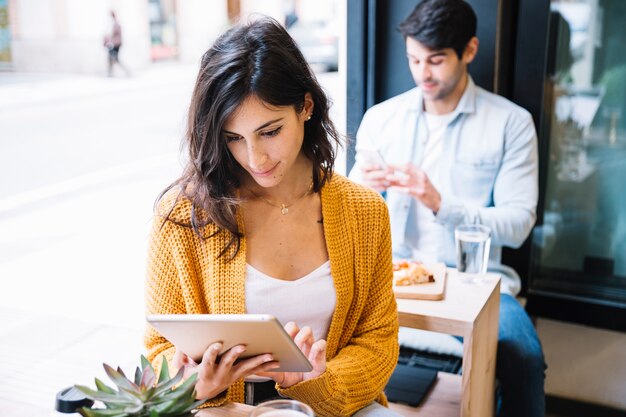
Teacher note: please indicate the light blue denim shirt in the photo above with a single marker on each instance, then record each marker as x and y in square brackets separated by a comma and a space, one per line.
[487, 171]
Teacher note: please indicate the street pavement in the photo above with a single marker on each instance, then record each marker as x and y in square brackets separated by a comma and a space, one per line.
[82, 159]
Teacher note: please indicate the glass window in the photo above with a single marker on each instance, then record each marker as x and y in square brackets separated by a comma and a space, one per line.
[580, 248]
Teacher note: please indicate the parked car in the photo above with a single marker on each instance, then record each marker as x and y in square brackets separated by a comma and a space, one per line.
[319, 42]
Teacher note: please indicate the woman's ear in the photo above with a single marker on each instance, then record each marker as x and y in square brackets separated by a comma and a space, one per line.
[307, 108]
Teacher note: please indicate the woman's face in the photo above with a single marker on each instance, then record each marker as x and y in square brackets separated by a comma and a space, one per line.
[267, 140]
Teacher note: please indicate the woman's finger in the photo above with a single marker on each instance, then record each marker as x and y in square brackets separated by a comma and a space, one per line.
[179, 359]
[255, 365]
[227, 360]
[304, 339]
[292, 329]
[317, 356]
[209, 357]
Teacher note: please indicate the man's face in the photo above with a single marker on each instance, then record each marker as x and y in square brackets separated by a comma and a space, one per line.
[438, 72]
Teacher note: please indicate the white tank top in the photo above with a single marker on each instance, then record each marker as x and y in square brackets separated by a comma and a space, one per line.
[307, 301]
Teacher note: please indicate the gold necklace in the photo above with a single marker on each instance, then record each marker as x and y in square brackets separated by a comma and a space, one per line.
[284, 208]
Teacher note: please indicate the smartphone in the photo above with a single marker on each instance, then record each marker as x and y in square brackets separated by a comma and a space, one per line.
[373, 157]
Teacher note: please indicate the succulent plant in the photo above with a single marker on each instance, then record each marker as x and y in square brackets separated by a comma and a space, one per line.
[145, 397]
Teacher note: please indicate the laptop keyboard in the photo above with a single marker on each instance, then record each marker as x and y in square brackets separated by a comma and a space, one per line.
[440, 362]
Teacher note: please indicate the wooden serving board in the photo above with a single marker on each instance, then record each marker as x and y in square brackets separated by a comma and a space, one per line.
[430, 291]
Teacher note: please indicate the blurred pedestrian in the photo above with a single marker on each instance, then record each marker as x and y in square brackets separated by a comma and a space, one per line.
[113, 43]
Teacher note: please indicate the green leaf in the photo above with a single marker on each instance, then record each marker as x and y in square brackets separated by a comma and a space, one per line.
[185, 407]
[148, 394]
[164, 375]
[148, 379]
[101, 412]
[105, 397]
[134, 409]
[145, 362]
[120, 379]
[164, 406]
[166, 386]
[185, 389]
[103, 387]
[137, 376]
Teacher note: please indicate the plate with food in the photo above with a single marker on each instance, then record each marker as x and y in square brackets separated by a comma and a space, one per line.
[413, 279]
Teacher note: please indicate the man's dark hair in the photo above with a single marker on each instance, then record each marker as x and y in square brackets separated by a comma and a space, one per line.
[440, 24]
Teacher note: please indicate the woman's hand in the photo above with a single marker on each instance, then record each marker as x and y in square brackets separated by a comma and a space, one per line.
[315, 351]
[214, 376]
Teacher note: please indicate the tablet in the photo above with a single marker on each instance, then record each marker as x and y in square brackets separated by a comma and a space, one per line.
[261, 333]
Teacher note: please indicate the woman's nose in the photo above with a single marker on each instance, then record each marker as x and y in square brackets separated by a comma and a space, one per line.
[256, 157]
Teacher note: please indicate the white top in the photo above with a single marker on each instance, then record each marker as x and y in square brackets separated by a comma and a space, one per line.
[426, 243]
[307, 301]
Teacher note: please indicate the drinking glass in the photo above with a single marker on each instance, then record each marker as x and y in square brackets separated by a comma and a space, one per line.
[282, 408]
[472, 251]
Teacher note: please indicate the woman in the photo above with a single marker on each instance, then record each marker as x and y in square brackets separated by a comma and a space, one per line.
[258, 223]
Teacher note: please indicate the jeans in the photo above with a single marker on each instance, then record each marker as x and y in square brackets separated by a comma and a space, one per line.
[520, 366]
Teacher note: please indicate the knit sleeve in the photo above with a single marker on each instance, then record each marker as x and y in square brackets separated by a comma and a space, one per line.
[161, 286]
[164, 292]
[358, 373]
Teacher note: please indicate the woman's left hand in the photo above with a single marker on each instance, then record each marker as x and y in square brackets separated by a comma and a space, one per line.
[315, 351]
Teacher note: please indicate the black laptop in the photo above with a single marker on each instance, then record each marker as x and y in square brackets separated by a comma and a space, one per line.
[410, 384]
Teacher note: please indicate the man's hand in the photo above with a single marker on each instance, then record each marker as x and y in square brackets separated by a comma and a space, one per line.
[375, 176]
[412, 180]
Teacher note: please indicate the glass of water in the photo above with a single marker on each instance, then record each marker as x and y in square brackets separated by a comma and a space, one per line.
[472, 251]
[282, 408]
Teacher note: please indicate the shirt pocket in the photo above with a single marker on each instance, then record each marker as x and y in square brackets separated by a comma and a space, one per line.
[473, 179]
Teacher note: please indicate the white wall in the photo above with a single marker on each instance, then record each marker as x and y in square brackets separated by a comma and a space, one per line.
[272, 8]
[200, 22]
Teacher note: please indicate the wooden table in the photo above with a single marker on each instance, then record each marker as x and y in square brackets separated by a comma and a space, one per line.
[471, 311]
[443, 401]
[468, 310]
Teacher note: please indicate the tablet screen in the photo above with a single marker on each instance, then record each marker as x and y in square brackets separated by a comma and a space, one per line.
[261, 333]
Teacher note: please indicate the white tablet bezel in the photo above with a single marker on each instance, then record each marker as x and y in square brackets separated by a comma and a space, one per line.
[261, 333]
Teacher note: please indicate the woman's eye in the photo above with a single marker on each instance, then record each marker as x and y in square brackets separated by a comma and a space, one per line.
[233, 138]
[272, 133]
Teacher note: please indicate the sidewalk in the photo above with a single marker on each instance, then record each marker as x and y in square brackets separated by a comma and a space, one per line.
[76, 196]
[18, 90]
[73, 239]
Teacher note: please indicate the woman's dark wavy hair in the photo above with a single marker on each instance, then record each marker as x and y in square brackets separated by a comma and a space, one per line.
[440, 24]
[255, 59]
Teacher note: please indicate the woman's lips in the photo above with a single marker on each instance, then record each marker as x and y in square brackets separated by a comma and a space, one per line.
[263, 173]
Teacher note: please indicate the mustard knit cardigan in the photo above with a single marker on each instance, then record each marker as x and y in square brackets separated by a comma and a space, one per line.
[186, 276]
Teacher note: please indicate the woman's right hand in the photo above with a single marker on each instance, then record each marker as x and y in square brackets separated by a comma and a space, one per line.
[216, 376]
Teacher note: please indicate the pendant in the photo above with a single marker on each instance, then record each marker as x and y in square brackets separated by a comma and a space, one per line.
[283, 209]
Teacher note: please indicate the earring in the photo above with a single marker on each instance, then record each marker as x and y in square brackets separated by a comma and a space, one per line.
[309, 118]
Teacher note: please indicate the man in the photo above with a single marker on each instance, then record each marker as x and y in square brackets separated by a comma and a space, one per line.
[113, 43]
[455, 153]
